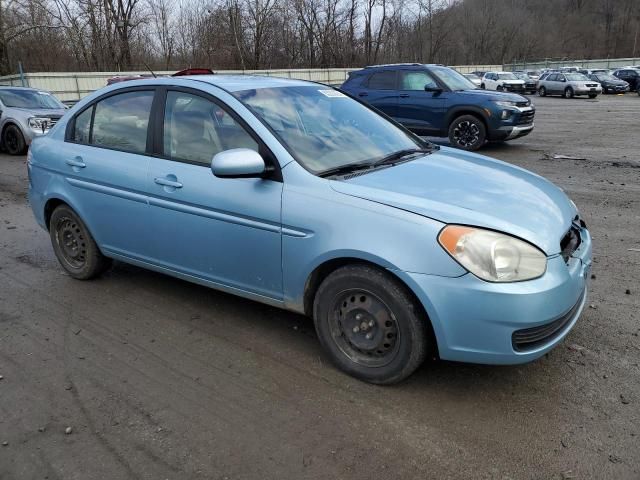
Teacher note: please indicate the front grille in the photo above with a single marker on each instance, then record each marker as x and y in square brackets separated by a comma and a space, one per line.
[591, 85]
[514, 88]
[532, 338]
[526, 118]
[570, 242]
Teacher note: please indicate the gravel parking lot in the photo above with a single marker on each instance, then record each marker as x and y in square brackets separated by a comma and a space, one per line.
[158, 378]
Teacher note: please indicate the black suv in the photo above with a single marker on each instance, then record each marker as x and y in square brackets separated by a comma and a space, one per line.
[438, 101]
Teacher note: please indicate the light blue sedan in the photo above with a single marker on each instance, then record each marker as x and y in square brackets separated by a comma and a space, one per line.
[293, 194]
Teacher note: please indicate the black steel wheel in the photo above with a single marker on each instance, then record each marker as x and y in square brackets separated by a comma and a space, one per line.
[467, 132]
[13, 140]
[74, 246]
[369, 324]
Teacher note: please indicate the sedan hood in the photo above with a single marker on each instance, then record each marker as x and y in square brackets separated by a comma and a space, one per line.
[453, 186]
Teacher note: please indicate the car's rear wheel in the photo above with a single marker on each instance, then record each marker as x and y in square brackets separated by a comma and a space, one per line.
[568, 92]
[467, 132]
[13, 140]
[542, 92]
[74, 246]
[369, 324]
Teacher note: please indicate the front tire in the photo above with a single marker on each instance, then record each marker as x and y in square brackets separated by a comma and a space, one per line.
[74, 246]
[499, 88]
[591, 95]
[369, 324]
[568, 92]
[13, 140]
[467, 132]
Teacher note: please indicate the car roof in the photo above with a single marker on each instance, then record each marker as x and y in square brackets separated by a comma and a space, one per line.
[10, 87]
[230, 83]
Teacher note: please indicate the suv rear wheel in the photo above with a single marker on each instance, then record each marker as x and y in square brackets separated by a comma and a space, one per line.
[542, 92]
[467, 132]
[568, 92]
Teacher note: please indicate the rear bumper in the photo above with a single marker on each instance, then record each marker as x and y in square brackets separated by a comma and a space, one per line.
[477, 321]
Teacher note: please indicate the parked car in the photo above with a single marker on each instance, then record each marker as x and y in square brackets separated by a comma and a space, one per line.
[293, 194]
[568, 85]
[438, 101]
[530, 85]
[473, 78]
[534, 74]
[502, 81]
[587, 71]
[26, 113]
[629, 75]
[609, 83]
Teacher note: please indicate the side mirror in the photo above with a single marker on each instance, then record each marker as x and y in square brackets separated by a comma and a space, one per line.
[427, 88]
[238, 163]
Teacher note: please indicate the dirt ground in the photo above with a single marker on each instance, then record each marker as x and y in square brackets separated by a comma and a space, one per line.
[162, 379]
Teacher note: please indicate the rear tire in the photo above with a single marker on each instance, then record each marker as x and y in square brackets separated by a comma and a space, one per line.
[74, 246]
[13, 140]
[568, 92]
[542, 92]
[467, 132]
[369, 324]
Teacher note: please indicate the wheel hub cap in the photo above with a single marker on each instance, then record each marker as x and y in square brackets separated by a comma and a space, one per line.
[466, 133]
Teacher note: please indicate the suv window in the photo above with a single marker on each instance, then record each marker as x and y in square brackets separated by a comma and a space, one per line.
[121, 121]
[196, 129]
[416, 81]
[382, 81]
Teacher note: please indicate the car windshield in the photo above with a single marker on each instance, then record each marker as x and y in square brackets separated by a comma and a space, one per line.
[452, 79]
[575, 77]
[29, 99]
[507, 76]
[324, 129]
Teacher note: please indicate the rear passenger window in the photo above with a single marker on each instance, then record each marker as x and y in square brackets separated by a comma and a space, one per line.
[382, 81]
[121, 121]
[196, 129]
[83, 126]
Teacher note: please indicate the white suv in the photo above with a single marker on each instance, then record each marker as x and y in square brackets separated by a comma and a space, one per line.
[502, 81]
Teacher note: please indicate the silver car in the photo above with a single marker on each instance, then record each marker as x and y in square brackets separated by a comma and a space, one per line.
[568, 85]
[26, 113]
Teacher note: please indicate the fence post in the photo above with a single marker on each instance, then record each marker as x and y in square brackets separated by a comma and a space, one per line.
[22, 79]
[77, 86]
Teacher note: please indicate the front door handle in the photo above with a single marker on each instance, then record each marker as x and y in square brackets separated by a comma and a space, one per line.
[76, 163]
[167, 182]
[404, 95]
[363, 94]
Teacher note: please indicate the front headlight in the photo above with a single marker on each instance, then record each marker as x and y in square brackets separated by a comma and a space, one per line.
[505, 103]
[492, 256]
[39, 123]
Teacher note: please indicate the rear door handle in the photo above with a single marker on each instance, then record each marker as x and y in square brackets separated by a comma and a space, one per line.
[363, 94]
[76, 162]
[167, 182]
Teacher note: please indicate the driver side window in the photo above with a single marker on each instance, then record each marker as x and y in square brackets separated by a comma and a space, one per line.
[416, 81]
[196, 129]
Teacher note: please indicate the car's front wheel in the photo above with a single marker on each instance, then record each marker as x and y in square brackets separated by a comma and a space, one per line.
[467, 132]
[74, 246]
[369, 324]
[13, 140]
[499, 88]
[542, 92]
[593, 95]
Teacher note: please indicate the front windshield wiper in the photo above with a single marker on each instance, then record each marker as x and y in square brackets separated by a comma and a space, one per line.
[396, 156]
[345, 169]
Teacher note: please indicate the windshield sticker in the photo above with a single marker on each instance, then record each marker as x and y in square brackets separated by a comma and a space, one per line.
[332, 93]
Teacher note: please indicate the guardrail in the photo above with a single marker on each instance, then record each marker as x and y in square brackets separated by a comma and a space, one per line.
[72, 86]
[608, 63]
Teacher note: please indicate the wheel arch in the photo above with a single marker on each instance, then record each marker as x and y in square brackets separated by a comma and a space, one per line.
[468, 110]
[327, 267]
